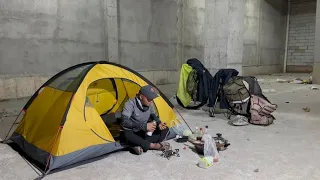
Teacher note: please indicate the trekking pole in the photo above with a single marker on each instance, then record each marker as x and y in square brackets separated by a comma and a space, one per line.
[211, 114]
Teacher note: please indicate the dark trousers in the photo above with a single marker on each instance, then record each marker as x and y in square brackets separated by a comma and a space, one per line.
[141, 139]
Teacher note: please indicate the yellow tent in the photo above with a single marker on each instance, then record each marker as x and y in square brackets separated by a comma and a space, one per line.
[71, 117]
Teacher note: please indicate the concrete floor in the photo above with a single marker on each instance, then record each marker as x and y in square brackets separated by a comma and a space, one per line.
[288, 149]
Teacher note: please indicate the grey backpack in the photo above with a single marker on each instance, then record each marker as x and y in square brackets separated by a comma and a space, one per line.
[260, 107]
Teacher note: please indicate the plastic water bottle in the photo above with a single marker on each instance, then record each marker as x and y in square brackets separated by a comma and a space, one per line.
[150, 132]
[196, 132]
[205, 130]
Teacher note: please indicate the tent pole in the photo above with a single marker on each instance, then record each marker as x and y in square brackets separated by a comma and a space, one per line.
[183, 119]
[54, 142]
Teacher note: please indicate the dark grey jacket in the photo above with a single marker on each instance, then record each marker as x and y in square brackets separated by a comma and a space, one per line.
[135, 118]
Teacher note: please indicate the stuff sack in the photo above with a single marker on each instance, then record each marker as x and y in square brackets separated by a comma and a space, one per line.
[261, 110]
[237, 95]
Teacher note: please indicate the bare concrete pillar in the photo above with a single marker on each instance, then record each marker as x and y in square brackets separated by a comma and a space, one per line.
[224, 28]
[316, 65]
[216, 34]
[236, 31]
[110, 25]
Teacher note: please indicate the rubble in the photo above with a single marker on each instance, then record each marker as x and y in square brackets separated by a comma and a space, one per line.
[296, 81]
[306, 109]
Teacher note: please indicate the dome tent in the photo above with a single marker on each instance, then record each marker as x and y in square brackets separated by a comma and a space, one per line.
[66, 120]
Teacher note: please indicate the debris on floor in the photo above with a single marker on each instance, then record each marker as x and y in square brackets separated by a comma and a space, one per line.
[306, 109]
[269, 90]
[282, 80]
[314, 88]
[310, 80]
[295, 81]
[206, 162]
[256, 170]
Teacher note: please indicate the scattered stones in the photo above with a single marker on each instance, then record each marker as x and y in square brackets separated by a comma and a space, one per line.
[256, 170]
[306, 109]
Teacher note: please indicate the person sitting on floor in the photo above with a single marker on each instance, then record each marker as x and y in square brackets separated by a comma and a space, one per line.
[137, 120]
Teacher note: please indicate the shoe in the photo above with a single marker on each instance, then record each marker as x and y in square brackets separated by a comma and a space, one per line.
[138, 150]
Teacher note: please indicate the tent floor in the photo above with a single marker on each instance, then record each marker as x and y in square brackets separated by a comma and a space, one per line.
[112, 121]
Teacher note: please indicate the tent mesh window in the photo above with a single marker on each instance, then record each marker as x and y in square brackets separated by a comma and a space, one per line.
[70, 80]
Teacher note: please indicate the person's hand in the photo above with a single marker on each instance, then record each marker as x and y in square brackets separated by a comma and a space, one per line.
[151, 126]
[162, 126]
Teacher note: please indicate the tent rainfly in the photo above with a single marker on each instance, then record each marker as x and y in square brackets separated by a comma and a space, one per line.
[70, 117]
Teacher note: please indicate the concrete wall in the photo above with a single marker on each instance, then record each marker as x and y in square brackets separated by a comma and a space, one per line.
[156, 37]
[149, 35]
[264, 36]
[41, 38]
[301, 36]
[316, 64]
[44, 37]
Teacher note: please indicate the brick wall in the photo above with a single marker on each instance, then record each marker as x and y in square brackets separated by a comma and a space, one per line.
[301, 35]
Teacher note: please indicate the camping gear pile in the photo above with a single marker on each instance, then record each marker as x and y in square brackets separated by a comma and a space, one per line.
[221, 144]
[240, 95]
[204, 144]
[194, 85]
